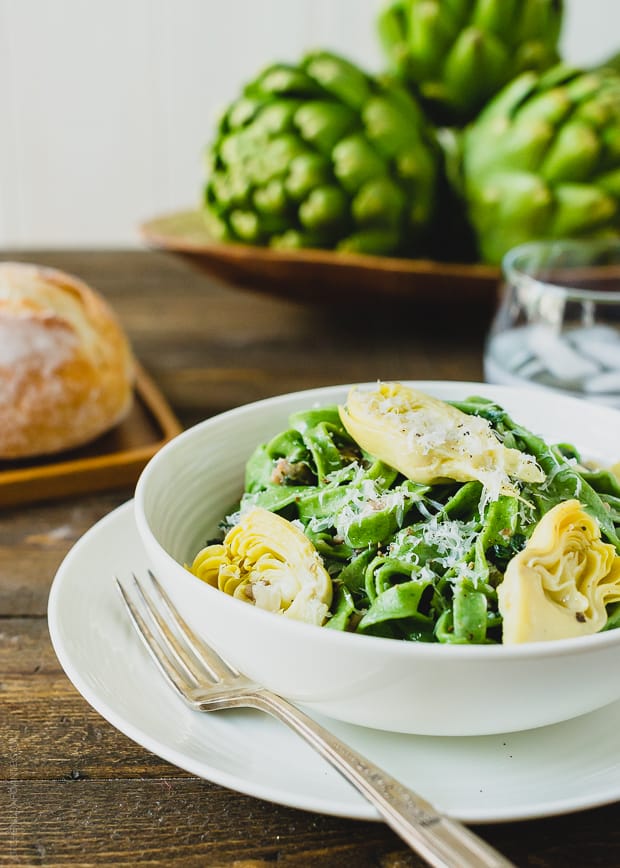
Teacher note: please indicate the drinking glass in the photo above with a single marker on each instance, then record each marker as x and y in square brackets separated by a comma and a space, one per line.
[557, 325]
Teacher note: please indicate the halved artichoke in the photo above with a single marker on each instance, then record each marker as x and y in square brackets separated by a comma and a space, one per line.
[265, 560]
[428, 440]
[558, 586]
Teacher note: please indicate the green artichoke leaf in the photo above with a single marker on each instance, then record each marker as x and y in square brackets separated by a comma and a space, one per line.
[402, 100]
[611, 64]
[272, 160]
[237, 147]
[246, 226]
[326, 207]
[293, 239]
[371, 241]
[306, 172]
[240, 113]
[254, 227]
[276, 117]
[272, 198]
[601, 115]
[391, 29]
[610, 183]
[489, 15]
[219, 190]
[539, 20]
[356, 162]
[521, 147]
[552, 106]
[215, 226]
[582, 87]
[281, 78]
[417, 165]
[338, 77]
[531, 55]
[610, 137]
[557, 76]
[505, 105]
[323, 123]
[380, 202]
[429, 35]
[511, 209]
[387, 128]
[474, 63]
[580, 208]
[574, 154]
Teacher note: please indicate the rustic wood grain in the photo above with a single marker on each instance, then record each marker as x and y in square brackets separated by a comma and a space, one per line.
[188, 822]
[35, 539]
[54, 736]
[25, 649]
[171, 821]
[75, 791]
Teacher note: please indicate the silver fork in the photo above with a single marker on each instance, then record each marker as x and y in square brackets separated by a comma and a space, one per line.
[207, 683]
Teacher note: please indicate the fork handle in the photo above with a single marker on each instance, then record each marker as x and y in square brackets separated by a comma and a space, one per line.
[442, 842]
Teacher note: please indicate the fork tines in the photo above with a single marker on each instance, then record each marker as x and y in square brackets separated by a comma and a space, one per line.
[184, 659]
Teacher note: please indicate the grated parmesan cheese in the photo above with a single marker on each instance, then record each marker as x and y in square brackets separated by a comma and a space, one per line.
[367, 499]
[452, 541]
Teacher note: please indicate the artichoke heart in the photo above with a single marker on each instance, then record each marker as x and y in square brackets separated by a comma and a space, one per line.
[267, 561]
[559, 585]
[429, 441]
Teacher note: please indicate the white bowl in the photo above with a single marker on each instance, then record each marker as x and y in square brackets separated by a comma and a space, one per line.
[392, 685]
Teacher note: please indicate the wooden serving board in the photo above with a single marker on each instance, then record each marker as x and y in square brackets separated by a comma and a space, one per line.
[113, 460]
[323, 277]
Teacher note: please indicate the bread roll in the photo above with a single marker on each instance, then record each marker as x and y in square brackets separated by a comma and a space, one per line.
[66, 372]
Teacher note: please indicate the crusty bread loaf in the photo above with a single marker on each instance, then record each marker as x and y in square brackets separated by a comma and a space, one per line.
[66, 368]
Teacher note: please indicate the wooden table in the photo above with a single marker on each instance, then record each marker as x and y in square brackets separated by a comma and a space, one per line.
[73, 790]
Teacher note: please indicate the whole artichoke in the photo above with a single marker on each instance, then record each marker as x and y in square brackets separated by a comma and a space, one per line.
[459, 53]
[322, 155]
[542, 161]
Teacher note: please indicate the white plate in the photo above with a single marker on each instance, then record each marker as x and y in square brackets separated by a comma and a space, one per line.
[539, 773]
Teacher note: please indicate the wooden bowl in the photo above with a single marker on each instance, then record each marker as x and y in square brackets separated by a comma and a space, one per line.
[322, 276]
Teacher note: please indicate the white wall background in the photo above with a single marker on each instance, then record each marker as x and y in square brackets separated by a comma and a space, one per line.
[105, 105]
